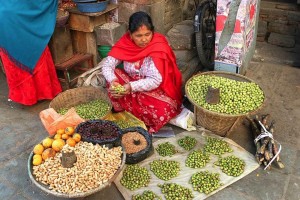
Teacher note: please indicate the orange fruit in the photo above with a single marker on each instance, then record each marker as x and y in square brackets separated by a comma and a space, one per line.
[47, 153]
[38, 149]
[37, 160]
[58, 144]
[77, 137]
[60, 131]
[69, 130]
[57, 136]
[65, 136]
[71, 142]
[47, 142]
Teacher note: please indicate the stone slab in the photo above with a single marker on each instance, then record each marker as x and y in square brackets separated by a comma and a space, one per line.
[285, 29]
[185, 55]
[109, 33]
[282, 40]
[293, 188]
[181, 36]
[262, 28]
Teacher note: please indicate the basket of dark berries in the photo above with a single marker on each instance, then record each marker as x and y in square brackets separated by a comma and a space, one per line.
[137, 143]
[100, 132]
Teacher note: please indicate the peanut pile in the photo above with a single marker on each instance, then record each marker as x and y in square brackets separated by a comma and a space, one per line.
[95, 166]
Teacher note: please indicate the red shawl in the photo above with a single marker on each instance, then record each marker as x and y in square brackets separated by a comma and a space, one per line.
[163, 57]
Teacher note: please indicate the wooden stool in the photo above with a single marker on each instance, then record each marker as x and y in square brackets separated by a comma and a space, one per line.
[73, 63]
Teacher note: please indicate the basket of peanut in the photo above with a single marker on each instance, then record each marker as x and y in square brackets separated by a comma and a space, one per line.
[74, 171]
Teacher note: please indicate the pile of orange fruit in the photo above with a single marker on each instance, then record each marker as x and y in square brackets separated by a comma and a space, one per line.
[52, 145]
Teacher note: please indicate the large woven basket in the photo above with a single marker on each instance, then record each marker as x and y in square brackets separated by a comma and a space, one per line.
[76, 96]
[46, 189]
[219, 123]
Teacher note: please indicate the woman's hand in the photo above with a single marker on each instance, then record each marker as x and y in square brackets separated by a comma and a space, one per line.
[119, 91]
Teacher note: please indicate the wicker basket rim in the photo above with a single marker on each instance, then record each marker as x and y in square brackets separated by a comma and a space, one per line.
[76, 90]
[216, 113]
[77, 195]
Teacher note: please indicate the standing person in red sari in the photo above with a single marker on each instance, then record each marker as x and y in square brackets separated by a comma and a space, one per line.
[151, 78]
[25, 30]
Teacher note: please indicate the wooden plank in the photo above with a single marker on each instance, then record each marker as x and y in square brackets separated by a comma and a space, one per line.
[87, 21]
[85, 43]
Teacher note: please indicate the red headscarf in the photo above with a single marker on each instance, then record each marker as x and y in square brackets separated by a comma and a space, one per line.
[163, 57]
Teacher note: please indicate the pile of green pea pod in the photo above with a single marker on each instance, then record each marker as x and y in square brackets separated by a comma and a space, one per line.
[166, 149]
[95, 109]
[165, 169]
[135, 176]
[205, 181]
[236, 97]
[174, 191]
[146, 195]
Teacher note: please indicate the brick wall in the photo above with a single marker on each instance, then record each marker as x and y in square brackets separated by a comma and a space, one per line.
[164, 13]
[279, 24]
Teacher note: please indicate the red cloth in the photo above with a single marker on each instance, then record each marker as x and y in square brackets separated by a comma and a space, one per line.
[26, 88]
[154, 108]
[163, 56]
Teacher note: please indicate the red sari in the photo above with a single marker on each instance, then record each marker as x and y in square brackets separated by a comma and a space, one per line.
[26, 88]
[155, 108]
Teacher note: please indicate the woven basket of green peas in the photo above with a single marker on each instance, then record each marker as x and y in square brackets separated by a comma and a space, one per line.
[239, 96]
[89, 102]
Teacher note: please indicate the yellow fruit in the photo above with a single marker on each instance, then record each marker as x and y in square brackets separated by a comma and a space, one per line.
[47, 142]
[69, 130]
[71, 142]
[77, 137]
[60, 131]
[65, 136]
[58, 144]
[38, 149]
[47, 153]
[37, 160]
[57, 136]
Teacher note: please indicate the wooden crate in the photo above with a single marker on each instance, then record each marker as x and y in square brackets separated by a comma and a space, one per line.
[86, 22]
[85, 43]
[82, 27]
[60, 45]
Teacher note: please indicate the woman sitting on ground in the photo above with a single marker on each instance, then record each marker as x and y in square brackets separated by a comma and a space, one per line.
[150, 77]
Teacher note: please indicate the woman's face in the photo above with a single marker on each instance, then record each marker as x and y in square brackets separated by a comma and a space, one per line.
[142, 36]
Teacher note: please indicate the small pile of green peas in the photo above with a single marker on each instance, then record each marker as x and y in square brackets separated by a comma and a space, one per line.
[187, 142]
[165, 169]
[146, 195]
[231, 165]
[216, 146]
[174, 191]
[166, 149]
[135, 176]
[236, 97]
[125, 123]
[95, 109]
[197, 159]
[118, 88]
[205, 182]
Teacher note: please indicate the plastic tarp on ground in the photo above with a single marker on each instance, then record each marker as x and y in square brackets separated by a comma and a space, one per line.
[186, 172]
